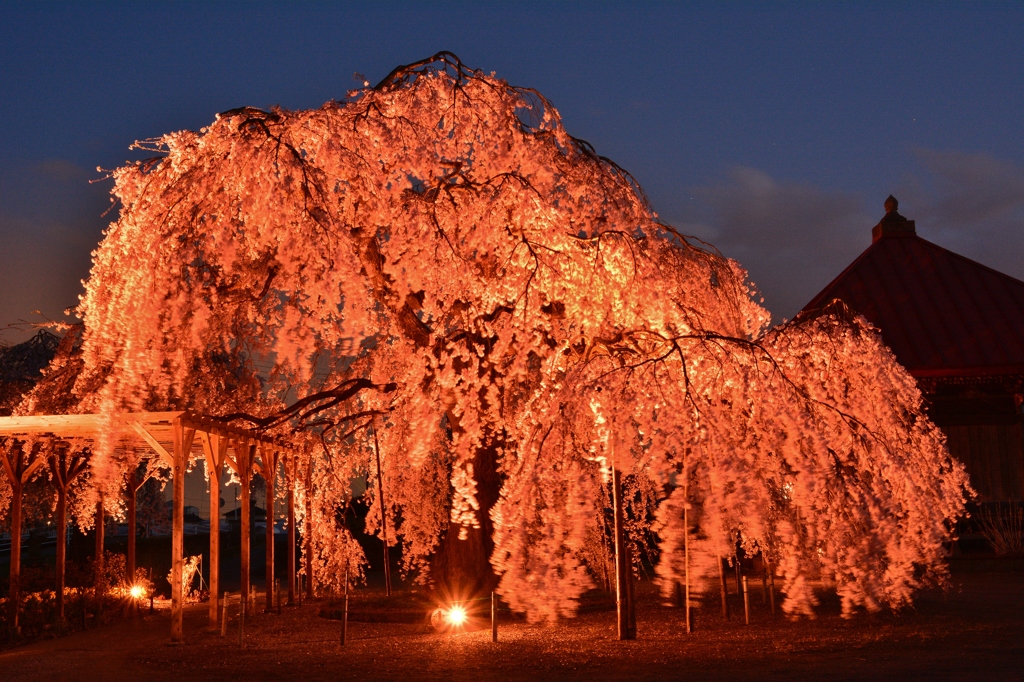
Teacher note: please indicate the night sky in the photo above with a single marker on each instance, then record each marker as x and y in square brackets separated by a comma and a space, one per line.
[776, 134]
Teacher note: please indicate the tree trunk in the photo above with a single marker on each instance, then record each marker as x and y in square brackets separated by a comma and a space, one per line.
[462, 568]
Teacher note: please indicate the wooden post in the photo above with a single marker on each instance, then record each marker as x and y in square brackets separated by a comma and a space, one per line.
[269, 457]
[746, 602]
[383, 517]
[764, 581]
[100, 578]
[17, 491]
[244, 457]
[725, 591]
[622, 568]
[686, 562]
[290, 473]
[494, 617]
[344, 619]
[62, 542]
[242, 599]
[307, 533]
[179, 457]
[214, 447]
[224, 615]
[771, 586]
[739, 573]
[130, 491]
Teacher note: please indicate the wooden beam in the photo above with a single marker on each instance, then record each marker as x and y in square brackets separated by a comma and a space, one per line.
[244, 457]
[290, 472]
[269, 456]
[153, 443]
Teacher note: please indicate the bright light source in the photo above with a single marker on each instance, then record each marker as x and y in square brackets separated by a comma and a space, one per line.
[138, 591]
[457, 615]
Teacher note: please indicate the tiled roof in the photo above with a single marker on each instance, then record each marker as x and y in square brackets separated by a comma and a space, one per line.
[940, 313]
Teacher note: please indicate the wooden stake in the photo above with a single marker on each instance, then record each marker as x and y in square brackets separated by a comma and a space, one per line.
[746, 602]
[739, 573]
[771, 586]
[725, 590]
[270, 478]
[764, 582]
[622, 569]
[494, 617]
[224, 615]
[686, 561]
[344, 619]
[383, 517]
[241, 618]
[290, 472]
[244, 456]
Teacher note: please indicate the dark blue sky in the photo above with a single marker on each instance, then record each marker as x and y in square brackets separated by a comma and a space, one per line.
[774, 133]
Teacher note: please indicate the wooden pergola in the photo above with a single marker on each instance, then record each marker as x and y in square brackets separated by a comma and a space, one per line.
[172, 437]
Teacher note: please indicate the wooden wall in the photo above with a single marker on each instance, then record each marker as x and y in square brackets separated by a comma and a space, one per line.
[994, 456]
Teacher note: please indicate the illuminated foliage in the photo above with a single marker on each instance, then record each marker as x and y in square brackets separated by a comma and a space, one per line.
[437, 254]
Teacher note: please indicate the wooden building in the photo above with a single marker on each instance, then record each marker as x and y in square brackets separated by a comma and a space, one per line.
[958, 327]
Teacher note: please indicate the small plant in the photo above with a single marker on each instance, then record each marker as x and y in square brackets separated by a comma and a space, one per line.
[1003, 527]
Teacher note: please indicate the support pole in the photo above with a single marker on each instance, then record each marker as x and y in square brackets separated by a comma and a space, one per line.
[224, 615]
[746, 603]
[686, 562]
[494, 617]
[177, 530]
[62, 546]
[622, 569]
[771, 586]
[307, 533]
[270, 477]
[17, 493]
[132, 488]
[725, 591]
[214, 462]
[244, 456]
[99, 578]
[344, 619]
[290, 471]
[383, 516]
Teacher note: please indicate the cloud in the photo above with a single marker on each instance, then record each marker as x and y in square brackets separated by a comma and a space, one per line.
[969, 203]
[63, 171]
[793, 238]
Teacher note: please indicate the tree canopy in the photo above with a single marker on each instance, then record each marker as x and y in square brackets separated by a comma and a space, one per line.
[438, 256]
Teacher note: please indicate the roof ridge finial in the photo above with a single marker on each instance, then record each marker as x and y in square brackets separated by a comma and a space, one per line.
[891, 204]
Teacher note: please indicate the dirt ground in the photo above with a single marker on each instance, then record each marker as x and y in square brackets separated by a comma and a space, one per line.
[973, 632]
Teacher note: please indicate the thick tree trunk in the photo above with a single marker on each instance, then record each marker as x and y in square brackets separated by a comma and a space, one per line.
[462, 568]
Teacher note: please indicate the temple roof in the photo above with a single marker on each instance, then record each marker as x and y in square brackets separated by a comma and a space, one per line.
[942, 314]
